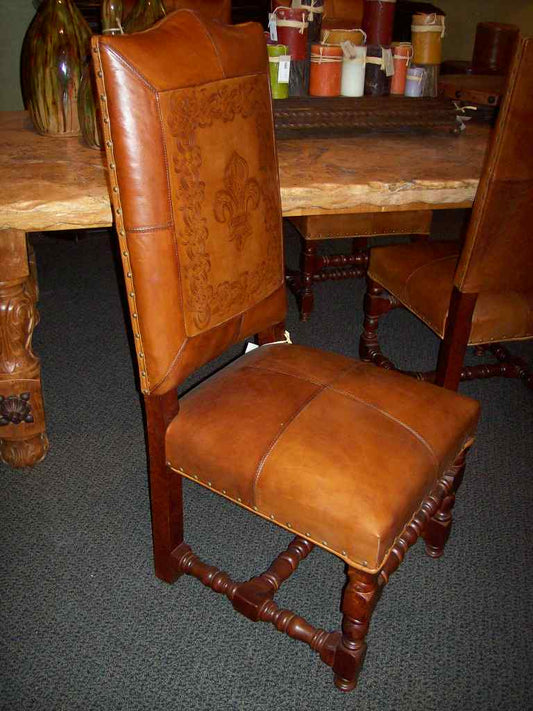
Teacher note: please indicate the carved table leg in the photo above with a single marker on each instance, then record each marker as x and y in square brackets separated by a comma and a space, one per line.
[23, 440]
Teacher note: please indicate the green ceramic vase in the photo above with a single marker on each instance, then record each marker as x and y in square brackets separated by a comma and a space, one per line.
[144, 15]
[53, 54]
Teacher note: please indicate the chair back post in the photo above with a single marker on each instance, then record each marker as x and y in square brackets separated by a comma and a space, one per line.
[453, 346]
[498, 250]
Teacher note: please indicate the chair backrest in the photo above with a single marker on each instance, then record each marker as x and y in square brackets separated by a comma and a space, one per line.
[189, 138]
[498, 250]
[210, 9]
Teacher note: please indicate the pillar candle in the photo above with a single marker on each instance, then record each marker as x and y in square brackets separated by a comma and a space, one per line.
[377, 83]
[353, 73]
[414, 84]
[427, 31]
[315, 10]
[378, 20]
[291, 25]
[326, 70]
[338, 36]
[402, 53]
[280, 90]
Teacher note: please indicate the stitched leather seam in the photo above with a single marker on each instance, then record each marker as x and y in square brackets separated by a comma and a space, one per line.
[286, 425]
[150, 228]
[172, 363]
[215, 48]
[277, 436]
[422, 266]
[313, 381]
[406, 305]
[240, 313]
[130, 67]
[386, 414]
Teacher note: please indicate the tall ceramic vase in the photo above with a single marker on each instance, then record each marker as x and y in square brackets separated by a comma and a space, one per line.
[144, 14]
[53, 54]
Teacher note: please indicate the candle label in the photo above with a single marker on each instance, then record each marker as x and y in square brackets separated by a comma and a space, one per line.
[388, 62]
[272, 28]
[284, 69]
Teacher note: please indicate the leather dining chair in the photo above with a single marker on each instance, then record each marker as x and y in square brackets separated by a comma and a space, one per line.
[341, 455]
[480, 294]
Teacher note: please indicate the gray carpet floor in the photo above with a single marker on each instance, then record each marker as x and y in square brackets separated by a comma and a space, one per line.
[86, 625]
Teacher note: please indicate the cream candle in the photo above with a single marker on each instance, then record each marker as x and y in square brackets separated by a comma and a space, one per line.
[353, 71]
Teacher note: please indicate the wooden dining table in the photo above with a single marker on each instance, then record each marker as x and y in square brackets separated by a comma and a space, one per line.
[51, 183]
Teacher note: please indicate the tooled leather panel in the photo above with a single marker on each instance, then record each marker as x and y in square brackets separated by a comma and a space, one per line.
[225, 198]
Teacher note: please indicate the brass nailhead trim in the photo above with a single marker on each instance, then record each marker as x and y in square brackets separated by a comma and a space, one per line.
[307, 534]
[126, 253]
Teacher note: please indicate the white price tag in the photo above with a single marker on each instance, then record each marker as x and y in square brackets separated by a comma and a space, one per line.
[284, 69]
[272, 27]
[389, 64]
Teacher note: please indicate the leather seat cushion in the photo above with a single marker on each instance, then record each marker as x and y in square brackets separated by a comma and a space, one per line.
[372, 224]
[333, 449]
[421, 277]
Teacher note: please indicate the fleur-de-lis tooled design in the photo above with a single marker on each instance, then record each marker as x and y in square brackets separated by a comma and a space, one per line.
[240, 197]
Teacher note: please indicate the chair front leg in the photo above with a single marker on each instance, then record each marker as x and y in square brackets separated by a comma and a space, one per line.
[165, 487]
[439, 526]
[377, 302]
[360, 597]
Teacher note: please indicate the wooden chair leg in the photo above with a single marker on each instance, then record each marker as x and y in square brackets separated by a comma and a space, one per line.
[453, 346]
[165, 487]
[359, 599]
[439, 526]
[377, 302]
[308, 269]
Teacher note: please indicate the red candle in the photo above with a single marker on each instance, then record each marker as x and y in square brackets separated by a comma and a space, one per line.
[378, 20]
[292, 30]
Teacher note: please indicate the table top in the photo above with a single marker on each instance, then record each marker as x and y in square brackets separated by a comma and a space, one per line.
[51, 183]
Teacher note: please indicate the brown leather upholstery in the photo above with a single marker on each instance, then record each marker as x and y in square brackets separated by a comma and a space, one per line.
[495, 266]
[210, 9]
[498, 252]
[372, 224]
[299, 416]
[421, 277]
[359, 461]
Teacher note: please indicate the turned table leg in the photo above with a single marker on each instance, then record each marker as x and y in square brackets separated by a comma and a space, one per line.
[23, 440]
